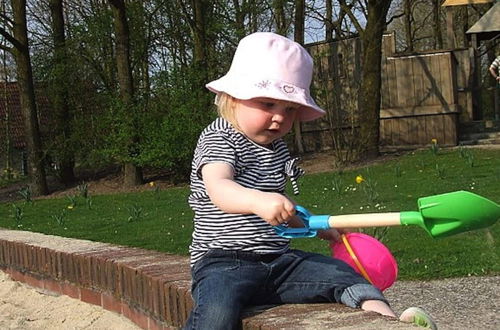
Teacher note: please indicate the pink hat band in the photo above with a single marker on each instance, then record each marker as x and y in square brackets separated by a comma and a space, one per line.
[269, 65]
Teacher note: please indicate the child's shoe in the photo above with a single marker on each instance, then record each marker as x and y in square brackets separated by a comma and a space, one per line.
[418, 317]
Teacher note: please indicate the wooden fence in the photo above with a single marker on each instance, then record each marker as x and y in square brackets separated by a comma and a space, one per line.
[424, 96]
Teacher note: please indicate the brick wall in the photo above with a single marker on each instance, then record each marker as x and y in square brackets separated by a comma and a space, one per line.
[148, 287]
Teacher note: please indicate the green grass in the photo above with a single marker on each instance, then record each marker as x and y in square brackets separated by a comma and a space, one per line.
[163, 220]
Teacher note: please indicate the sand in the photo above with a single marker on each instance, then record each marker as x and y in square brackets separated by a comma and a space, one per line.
[25, 307]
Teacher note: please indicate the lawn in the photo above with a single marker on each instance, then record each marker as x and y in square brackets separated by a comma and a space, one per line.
[161, 219]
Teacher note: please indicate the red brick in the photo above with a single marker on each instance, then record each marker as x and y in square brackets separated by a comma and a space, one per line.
[101, 275]
[44, 261]
[67, 268]
[110, 303]
[38, 260]
[135, 316]
[173, 305]
[52, 285]
[90, 296]
[33, 259]
[58, 263]
[33, 281]
[24, 254]
[28, 257]
[162, 301]
[85, 271]
[3, 261]
[158, 325]
[182, 289]
[112, 278]
[15, 255]
[154, 295]
[52, 262]
[154, 325]
[189, 302]
[70, 290]
[16, 275]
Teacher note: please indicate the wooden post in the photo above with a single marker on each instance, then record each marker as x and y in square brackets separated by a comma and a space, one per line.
[477, 113]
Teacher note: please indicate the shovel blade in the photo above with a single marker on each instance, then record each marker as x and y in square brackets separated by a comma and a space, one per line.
[456, 212]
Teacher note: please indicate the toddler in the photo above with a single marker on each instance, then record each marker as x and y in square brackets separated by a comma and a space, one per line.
[239, 173]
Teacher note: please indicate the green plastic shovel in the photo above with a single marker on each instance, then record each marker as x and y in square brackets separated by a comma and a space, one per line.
[440, 215]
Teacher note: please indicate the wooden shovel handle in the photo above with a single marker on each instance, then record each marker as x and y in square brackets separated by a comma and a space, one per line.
[365, 220]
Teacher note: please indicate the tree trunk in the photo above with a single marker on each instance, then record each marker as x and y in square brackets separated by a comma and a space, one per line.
[36, 168]
[369, 107]
[299, 38]
[62, 122]
[239, 19]
[329, 21]
[279, 16]
[199, 35]
[408, 17]
[132, 174]
[436, 15]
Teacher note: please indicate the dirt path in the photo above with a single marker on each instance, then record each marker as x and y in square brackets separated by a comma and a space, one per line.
[468, 303]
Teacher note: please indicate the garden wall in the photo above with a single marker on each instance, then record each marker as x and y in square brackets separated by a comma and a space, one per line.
[150, 288]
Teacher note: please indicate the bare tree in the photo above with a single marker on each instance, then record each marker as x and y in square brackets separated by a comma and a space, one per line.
[20, 51]
[132, 174]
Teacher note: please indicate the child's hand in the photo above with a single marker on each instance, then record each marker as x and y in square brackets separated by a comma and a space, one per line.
[274, 208]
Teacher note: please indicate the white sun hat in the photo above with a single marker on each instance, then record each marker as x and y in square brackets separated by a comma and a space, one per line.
[266, 64]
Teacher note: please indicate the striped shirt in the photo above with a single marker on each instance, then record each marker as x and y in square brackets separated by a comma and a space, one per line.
[496, 63]
[254, 167]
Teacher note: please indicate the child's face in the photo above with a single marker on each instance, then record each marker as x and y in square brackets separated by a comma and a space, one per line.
[264, 120]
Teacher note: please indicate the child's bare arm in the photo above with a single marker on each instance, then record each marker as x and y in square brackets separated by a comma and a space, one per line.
[232, 197]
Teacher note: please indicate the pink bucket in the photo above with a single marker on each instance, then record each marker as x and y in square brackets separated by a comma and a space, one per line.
[369, 257]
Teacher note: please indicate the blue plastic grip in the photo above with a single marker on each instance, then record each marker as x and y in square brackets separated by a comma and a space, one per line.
[311, 224]
[319, 222]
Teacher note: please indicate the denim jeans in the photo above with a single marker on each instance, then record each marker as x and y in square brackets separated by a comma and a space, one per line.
[227, 282]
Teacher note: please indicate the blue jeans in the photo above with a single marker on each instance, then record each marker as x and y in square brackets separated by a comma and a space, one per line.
[227, 282]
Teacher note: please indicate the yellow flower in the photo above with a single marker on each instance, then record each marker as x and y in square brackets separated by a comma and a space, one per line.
[152, 184]
[70, 207]
[359, 179]
[434, 141]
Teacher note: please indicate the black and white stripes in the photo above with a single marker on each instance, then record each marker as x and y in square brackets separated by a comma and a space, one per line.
[255, 167]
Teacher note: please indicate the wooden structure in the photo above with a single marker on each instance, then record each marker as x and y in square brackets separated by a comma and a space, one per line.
[424, 95]
[449, 5]
[487, 29]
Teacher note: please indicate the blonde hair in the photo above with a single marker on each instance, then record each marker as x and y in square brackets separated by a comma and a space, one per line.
[226, 105]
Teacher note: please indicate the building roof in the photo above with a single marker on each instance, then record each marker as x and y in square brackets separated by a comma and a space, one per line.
[448, 3]
[489, 22]
[10, 109]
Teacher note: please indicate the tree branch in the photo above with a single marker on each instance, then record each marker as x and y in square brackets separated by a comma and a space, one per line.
[347, 9]
[7, 49]
[10, 38]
